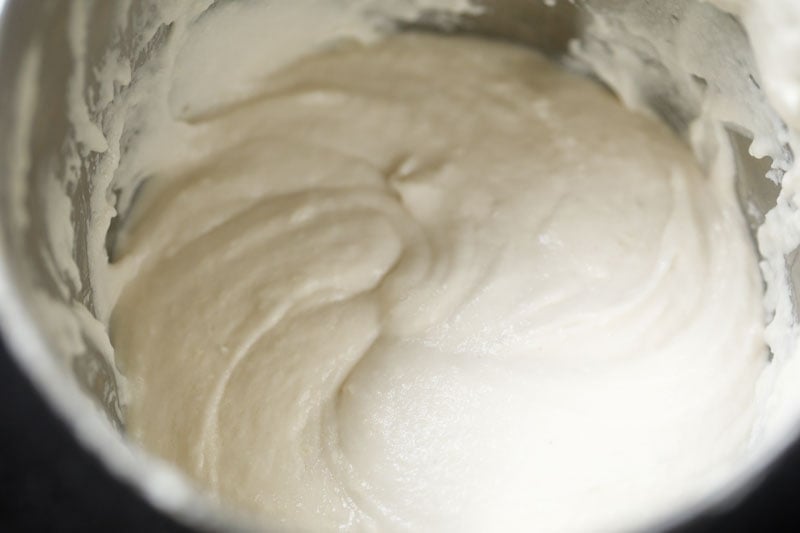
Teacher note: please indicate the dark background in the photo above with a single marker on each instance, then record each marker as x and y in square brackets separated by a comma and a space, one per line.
[49, 483]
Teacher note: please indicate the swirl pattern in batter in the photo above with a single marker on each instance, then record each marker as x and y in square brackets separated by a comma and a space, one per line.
[440, 284]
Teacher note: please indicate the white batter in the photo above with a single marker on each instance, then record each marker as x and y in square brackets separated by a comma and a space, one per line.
[440, 284]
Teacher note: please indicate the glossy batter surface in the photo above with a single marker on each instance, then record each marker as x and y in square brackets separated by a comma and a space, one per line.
[440, 284]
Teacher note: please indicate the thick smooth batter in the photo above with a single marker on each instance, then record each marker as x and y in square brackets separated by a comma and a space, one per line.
[438, 283]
